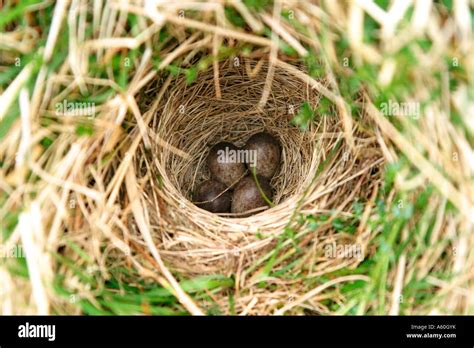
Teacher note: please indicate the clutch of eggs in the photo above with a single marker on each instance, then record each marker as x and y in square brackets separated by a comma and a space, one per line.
[233, 187]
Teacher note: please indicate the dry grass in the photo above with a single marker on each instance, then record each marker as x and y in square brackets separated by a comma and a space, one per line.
[112, 191]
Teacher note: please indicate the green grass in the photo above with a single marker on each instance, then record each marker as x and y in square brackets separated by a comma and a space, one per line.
[121, 294]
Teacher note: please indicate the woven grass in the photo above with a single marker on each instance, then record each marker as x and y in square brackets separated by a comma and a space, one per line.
[192, 118]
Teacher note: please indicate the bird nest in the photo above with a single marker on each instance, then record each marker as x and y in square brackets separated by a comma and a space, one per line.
[319, 173]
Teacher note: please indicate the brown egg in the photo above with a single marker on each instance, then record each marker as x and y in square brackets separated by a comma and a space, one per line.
[268, 153]
[212, 196]
[224, 164]
[247, 196]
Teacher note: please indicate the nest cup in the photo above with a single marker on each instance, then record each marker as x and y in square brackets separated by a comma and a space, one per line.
[188, 120]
